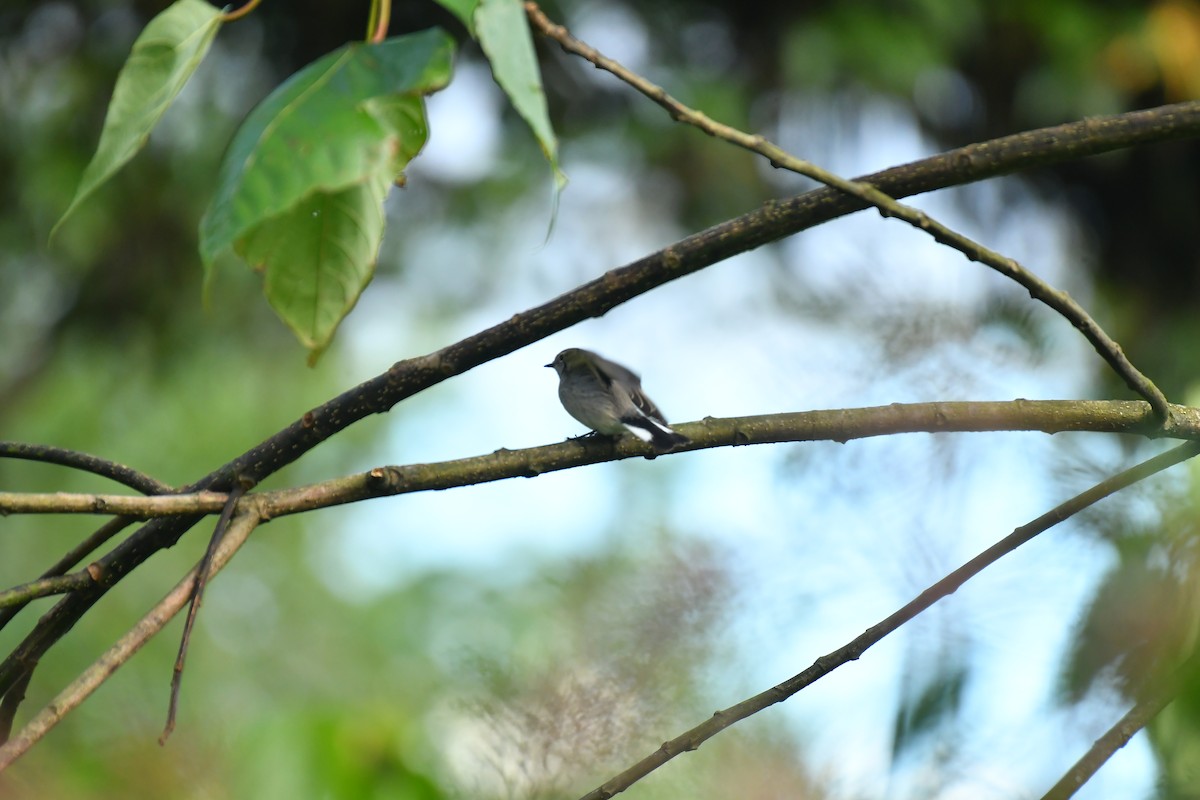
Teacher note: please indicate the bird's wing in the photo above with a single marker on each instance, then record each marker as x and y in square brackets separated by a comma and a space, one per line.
[611, 373]
[644, 404]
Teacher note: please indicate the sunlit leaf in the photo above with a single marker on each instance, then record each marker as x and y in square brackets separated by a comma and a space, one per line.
[318, 256]
[162, 60]
[293, 190]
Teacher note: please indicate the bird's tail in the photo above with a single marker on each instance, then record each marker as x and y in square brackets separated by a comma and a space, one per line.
[659, 435]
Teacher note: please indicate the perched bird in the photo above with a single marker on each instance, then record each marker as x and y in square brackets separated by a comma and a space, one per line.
[608, 398]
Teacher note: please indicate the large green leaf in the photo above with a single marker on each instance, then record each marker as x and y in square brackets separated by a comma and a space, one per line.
[503, 33]
[163, 59]
[304, 164]
[318, 256]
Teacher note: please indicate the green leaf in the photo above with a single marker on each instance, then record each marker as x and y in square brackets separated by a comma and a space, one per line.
[503, 33]
[464, 10]
[318, 256]
[162, 60]
[293, 190]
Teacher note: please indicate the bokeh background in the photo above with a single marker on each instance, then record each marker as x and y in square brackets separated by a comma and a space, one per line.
[530, 638]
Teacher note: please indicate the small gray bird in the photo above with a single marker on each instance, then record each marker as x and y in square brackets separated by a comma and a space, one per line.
[608, 398]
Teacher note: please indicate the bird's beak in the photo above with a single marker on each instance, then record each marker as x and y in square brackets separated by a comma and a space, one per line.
[548, 365]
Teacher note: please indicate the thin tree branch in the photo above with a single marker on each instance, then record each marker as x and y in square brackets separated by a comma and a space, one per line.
[773, 221]
[70, 559]
[86, 547]
[238, 13]
[244, 521]
[202, 572]
[43, 587]
[120, 473]
[841, 425]
[692, 739]
[377, 24]
[1039, 289]
[127, 506]
[1156, 697]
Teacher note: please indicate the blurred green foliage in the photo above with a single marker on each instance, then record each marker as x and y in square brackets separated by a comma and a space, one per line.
[298, 687]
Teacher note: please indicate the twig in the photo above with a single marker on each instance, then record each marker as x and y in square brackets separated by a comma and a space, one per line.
[692, 739]
[1058, 300]
[120, 473]
[775, 220]
[1156, 697]
[70, 559]
[197, 597]
[44, 587]
[238, 13]
[87, 546]
[163, 505]
[246, 519]
[377, 24]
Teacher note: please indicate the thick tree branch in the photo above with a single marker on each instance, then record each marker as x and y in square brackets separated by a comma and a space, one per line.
[692, 739]
[1038, 289]
[775, 220]
[12, 701]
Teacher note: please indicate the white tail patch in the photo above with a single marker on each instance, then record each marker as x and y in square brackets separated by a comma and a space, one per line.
[639, 432]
